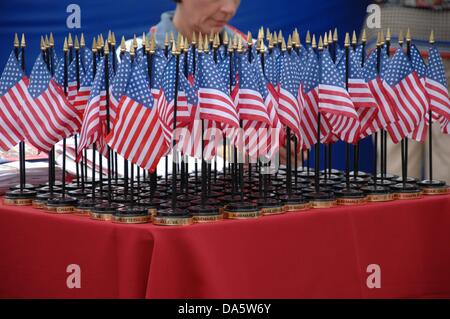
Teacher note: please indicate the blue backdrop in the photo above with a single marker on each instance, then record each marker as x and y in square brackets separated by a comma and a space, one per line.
[35, 18]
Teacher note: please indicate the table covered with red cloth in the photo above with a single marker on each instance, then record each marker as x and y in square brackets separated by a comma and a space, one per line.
[312, 254]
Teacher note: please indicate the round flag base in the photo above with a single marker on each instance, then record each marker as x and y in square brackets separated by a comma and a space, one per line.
[205, 214]
[241, 210]
[378, 194]
[360, 174]
[407, 191]
[104, 211]
[409, 180]
[132, 215]
[29, 187]
[19, 197]
[173, 217]
[79, 193]
[294, 203]
[387, 176]
[61, 205]
[152, 205]
[48, 189]
[350, 197]
[40, 202]
[434, 187]
[321, 199]
[270, 206]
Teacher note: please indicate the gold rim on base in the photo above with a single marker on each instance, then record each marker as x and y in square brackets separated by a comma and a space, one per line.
[323, 203]
[18, 201]
[131, 219]
[60, 209]
[380, 198]
[152, 212]
[101, 217]
[435, 190]
[351, 201]
[296, 207]
[39, 204]
[242, 215]
[199, 219]
[269, 211]
[81, 212]
[404, 196]
[172, 221]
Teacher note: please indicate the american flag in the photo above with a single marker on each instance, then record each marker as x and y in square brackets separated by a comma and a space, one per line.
[119, 84]
[71, 78]
[358, 89]
[420, 132]
[184, 105]
[82, 97]
[409, 96]
[137, 134]
[290, 100]
[13, 85]
[214, 100]
[166, 99]
[436, 87]
[308, 125]
[335, 102]
[47, 116]
[384, 95]
[93, 125]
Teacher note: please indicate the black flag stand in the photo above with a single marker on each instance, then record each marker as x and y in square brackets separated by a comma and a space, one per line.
[406, 188]
[349, 195]
[174, 216]
[22, 194]
[431, 186]
[319, 198]
[375, 192]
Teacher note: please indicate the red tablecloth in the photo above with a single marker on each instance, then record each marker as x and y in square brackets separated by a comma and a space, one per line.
[318, 253]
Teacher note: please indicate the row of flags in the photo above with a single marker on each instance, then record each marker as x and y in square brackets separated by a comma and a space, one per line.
[219, 91]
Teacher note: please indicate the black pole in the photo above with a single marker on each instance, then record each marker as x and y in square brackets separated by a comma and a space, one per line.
[174, 153]
[108, 124]
[22, 143]
[347, 145]
[63, 179]
[77, 71]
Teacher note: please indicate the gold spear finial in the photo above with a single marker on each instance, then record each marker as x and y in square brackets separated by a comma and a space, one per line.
[51, 40]
[99, 42]
[408, 35]
[82, 43]
[381, 37]
[181, 45]
[166, 40]
[347, 40]
[194, 39]
[289, 43]
[280, 37]
[113, 38]
[249, 38]
[42, 43]
[268, 34]
[330, 36]
[132, 51]
[200, 43]
[216, 42]
[46, 42]
[294, 38]
[354, 39]
[335, 35]
[135, 44]
[16, 40]
[123, 46]
[235, 41]
[239, 48]
[400, 37]
[186, 45]
[94, 45]
[205, 44]
[211, 37]
[325, 40]
[261, 46]
[388, 34]
[108, 39]
[283, 43]
[144, 38]
[432, 37]
[274, 38]
[65, 47]
[152, 46]
[102, 41]
[76, 44]
[378, 39]
[364, 36]
[225, 38]
[308, 38]
[22, 42]
[69, 40]
[320, 43]
[314, 43]
[172, 37]
[270, 43]
[179, 39]
[106, 51]
[260, 33]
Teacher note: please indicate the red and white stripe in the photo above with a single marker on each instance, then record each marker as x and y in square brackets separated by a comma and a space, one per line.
[137, 134]
[251, 106]
[93, 126]
[72, 91]
[411, 100]
[289, 111]
[217, 106]
[81, 99]
[438, 98]
[48, 118]
[336, 105]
